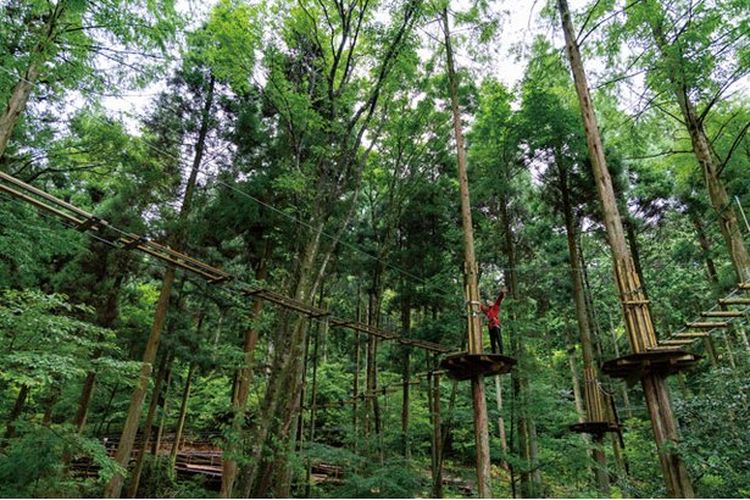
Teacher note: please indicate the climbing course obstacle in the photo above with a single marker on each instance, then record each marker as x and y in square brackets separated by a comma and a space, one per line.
[651, 365]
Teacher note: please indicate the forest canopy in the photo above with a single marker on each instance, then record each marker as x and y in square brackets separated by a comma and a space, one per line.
[360, 248]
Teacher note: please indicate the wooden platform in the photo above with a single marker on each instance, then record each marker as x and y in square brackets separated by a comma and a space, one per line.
[662, 361]
[464, 365]
[594, 428]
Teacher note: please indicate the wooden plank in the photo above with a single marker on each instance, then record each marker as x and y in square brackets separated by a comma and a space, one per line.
[722, 314]
[691, 335]
[43, 194]
[735, 301]
[41, 204]
[708, 324]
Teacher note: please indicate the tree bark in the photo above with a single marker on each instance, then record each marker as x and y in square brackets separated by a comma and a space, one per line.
[718, 196]
[481, 431]
[10, 429]
[183, 415]
[113, 488]
[148, 428]
[19, 97]
[637, 317]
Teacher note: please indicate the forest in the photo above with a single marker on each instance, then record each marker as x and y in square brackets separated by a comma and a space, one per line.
[256, 248]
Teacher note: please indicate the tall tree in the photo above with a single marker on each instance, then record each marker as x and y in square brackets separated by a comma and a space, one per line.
[637, 316]
[58, 44]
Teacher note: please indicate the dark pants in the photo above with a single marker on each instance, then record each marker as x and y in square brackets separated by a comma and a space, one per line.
[496, 340]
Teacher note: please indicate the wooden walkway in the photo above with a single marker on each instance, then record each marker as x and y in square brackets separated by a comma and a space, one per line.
[105, 232]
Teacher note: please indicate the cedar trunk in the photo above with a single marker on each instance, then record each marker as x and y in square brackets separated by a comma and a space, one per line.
[244, 378]
[113, 488]
[592, 393]
[637, 316]
[481, 431]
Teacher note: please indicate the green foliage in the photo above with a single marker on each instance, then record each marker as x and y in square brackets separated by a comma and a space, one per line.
[36, 465]
[43, 342]
[395, 478]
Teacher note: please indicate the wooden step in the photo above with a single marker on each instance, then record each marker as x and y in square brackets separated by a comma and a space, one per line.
[744, 286]
[722, 314]
[690, 335]
[675, 342]
[735, 301]
[708, 324]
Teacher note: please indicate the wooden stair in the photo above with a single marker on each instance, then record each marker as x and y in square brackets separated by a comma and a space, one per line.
[709, 325]
[691, 335]
[676, 342]
[735, 301]
[722, 319]
[722, 314]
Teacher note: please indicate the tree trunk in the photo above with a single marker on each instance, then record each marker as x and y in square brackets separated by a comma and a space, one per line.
[700, 233]
[19, 97]
[481, 431]
[713, 278]
[625, 397]
[578, 401]
[147, 428]
[10, 429]
[530, 482]
[433, 397]
[595, 406]
[405, 377]
[637, 317]
[280, 404]
[314, 399]
[106, 314]
[501, 420]
[113, 488]
[244, 378]
[156, 445]
[183, 414]
[355, 381]
[84, 401]
[718, 196]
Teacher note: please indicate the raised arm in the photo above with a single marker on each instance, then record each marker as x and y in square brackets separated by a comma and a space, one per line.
[501, 296]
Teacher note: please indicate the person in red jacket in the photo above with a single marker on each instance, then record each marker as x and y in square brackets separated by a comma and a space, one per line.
[492, 311]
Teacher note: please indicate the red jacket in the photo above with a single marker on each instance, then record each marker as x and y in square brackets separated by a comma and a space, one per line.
[493, 313]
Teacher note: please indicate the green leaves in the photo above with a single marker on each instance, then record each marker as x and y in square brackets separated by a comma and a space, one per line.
[226, 44]
[43, 342]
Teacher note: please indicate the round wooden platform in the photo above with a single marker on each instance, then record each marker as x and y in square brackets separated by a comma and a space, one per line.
[660, 361]
[464, 365]
[594, 428]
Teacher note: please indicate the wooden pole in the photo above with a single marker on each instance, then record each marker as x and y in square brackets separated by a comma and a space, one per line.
[124, 448]
[320, 331]
[355, 382]
[636, 313]
[433, 396]
[183, 415]
[481, 432]
[135, 480]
